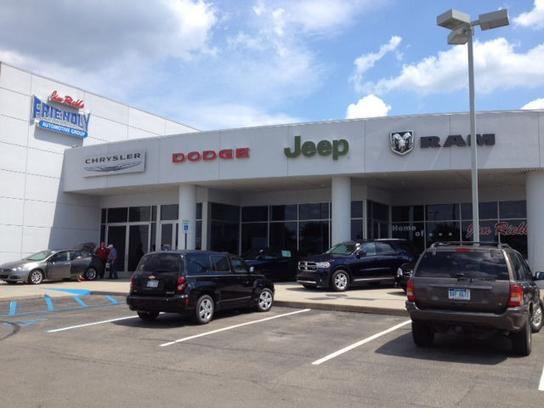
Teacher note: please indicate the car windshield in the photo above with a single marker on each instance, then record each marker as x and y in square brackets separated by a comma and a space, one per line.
[160, 263]
[470, 264]
[39, 256]
[344, 248]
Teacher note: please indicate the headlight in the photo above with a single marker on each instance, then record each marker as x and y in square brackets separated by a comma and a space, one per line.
[18, 269]
[323, 265]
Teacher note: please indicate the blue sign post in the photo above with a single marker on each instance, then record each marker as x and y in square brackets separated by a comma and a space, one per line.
[185, 224]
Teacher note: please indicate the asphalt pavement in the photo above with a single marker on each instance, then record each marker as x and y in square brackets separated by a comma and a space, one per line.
[100, 355]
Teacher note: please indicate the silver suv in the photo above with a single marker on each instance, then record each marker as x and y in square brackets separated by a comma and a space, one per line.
[474, 287]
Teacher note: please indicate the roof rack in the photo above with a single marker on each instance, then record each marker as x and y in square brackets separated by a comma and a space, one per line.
[471, 243]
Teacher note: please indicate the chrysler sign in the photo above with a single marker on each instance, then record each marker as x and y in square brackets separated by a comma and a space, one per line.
[114, 163]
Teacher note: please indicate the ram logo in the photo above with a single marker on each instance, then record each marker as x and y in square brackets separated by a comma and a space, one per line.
[402, 142]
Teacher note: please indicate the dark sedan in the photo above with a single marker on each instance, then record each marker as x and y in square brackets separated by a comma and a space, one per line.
[276, 264]
[53, 265]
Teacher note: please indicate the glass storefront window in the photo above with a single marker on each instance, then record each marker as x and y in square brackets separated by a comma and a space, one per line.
[407, 213]
[102, 233]
[198, 235]
[356, 209]
[512, 209]
[488, 211]
[259, 213]
[284, 212]
[136, 214]
[414, 232]
[138, 244]
[487, 230]
[153, 213]
[513, 233]
[315, 211]
[224, 236]
[198, 211]
[254, 236]
[225, 212]
[356, 229]
[103, 215]
[443, 231]
[117, 214]
[169, 212]
[283, 235]
[313, 237]
[442, 212]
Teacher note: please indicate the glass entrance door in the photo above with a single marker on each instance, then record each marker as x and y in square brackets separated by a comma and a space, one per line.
[117, 235]
[168, 236]
[138, 244]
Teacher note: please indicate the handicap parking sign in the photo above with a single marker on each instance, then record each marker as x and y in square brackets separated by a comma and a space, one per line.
[185, 224]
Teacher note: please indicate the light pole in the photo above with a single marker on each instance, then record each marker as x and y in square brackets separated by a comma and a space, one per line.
[462, 31]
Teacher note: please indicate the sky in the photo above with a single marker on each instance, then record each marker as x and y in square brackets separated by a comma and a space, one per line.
[237, 63]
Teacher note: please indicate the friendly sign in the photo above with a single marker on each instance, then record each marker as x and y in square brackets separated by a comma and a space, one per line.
[60, 119]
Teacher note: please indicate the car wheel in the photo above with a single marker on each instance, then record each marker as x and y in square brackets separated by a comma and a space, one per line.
[35, 277]
[422, 334]
[204, 309]
[264, 303]
[148, 316]
[537, 319]
[90, 274]
[522, 341]
[340, 281]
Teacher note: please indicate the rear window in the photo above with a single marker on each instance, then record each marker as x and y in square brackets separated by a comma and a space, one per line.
[160, 263]
[473, 264]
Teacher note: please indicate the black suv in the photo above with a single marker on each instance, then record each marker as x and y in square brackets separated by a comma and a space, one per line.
[474, 287]
[355, 262]
[197, 283]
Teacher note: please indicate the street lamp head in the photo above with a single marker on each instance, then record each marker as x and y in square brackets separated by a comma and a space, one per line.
[453, 19]
[493, 20]
[459, 36]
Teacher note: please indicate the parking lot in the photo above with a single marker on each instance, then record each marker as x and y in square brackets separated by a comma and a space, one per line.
[93, 351]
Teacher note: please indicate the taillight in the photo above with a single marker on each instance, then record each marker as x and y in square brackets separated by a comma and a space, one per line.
[411, 290]
[132, 283]
[516, 295]
[181, 284]
[463, 250]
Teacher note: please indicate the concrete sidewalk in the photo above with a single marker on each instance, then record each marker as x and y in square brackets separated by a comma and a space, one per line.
[380, 300]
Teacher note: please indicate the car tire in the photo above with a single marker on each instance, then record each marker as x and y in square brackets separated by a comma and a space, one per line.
[148, 316]
[308, 286]
[204, 309]
[90, 274]
[422, 334]
[35, 277]
[265, 300]
[537, 318]
[340, 281]
[522, 341]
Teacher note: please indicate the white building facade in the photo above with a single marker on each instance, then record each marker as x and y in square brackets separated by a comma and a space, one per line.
[35, 212]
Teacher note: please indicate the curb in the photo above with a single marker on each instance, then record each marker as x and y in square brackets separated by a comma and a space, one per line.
[343, 308]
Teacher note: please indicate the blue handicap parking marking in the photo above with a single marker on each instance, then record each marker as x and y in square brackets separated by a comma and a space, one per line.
[12, 308]
[77, 292]
[49, 302]
[112, 299]
[80, 301]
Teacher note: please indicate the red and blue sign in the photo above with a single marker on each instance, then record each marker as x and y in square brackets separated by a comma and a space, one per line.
[60, 120]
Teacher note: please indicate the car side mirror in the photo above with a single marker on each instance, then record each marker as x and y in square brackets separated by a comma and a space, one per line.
[539, 276]
[251, 269]
[360, 254]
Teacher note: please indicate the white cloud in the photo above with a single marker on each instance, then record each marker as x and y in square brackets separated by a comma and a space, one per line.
[226, 115]
[497, 66]
[534, 18]
[370, 106]
[315, 16]
[536, 104]
[366, 61]
[91, 34]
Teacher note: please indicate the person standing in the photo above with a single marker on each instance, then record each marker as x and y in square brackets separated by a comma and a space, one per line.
[102, 253]
[112, 258]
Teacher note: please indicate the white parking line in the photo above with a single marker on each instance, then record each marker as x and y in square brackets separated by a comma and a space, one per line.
[233, 327]
[91, 324]
[360, 343]
[541, 385]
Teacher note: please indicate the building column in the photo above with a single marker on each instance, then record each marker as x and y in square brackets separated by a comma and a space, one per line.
[341, 209]
[535, 220]
[187, 212]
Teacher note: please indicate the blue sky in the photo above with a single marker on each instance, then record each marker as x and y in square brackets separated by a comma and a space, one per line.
[221, 64]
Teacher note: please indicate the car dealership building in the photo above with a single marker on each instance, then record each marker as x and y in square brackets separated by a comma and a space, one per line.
[76, 167]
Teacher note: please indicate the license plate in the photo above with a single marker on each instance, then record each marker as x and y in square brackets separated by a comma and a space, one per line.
[459, 294]
[153, 284]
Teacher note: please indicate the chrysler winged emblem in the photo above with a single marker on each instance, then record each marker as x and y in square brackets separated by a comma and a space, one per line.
[402, 142]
